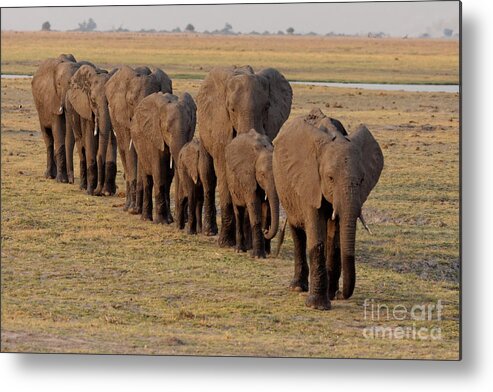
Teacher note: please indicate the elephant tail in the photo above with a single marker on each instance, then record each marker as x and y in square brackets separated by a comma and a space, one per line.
[281, 238]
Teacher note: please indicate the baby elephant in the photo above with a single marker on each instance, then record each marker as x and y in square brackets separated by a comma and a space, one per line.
[161, 126]
[251, 184]
[193, 168]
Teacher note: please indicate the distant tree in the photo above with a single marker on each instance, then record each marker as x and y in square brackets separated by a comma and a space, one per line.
[448, 33]
[46, 26]
[176, 30]
[227, 29]
[280, 32]
[90, 25]
[290, 30]
[190, 28]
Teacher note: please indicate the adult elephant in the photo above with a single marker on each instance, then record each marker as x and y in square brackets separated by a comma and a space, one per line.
[93, 130]
[162, 124]
[126, 88]
[323, 176]
[232, 101]
[49, 88]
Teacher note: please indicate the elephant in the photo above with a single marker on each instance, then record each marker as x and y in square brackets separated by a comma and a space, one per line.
[162, 124]
[231, 101]
[49, 88]
[251, 185]
[193, 169]
[126, 88]
[323, 176]
[97, 149]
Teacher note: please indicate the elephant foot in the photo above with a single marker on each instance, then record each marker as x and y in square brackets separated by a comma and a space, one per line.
[297, 286]
[50, 173]
[240, 249]
[134, 210]
[209, 231]
[146, 217]
[90, 191]
[162, 220]
[226, 240]
[83, 186]
[191, 231]
[258, 253]
[109, 189]
[62, 178]
[318, 302]
[70, 178]
[98, 191]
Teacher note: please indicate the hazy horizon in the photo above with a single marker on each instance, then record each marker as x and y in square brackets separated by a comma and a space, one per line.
[392, 18]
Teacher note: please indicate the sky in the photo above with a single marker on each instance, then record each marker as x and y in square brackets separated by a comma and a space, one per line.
[393, 18]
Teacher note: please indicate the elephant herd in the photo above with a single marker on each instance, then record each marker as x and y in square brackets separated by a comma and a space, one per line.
[246, 148]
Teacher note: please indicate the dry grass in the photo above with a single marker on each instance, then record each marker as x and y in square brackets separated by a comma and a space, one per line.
[299, 58]
[79, 275]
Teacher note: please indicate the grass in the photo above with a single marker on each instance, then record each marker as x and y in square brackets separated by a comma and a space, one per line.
[79, 275]
[333, 59]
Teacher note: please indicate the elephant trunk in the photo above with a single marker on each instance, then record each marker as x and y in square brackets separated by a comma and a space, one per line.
[274, 211]
[347, 226]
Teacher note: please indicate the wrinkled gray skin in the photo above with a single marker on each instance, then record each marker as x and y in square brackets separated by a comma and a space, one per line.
[93, 130]
[323, 176]
[49, 88]
[194, 168]
[253, 191]
[231, 101]
[126, 88]
[162, 124]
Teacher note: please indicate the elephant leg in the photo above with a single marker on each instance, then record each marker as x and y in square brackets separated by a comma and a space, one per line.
[333, 258]
[50, 154]
[59, 149]
[109, 188]
[192, 219]
[240, 239]
[82, 167]
[247, 232]
[227, 232]
[69, 151]
[170, 171]
[147, 184]
[91, 148]
[135, 186]
[101, 163]
[209, 180]
[300, 278]
[318, 297]
[198, 208]
[255, 214]
[266, 222]
[160, 185]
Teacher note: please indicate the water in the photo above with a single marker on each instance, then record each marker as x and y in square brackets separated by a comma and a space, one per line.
[431, 88]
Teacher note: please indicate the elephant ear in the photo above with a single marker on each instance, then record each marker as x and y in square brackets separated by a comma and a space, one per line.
[296, 152]
[164, 81]
[372, 157]
[153, 112]
[280, 98]
[212, 112]
[241, 155]
[79, 91]
[190, 110]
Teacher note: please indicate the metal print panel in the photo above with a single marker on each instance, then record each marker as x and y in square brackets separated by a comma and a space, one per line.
[269, 180]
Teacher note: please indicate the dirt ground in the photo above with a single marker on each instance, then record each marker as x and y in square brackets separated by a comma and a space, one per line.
[80, 275]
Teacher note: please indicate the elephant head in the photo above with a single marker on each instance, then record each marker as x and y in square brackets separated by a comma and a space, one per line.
[237, 99]
[87, 96]
[324, 162]
[249, 165]
[165, 119]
